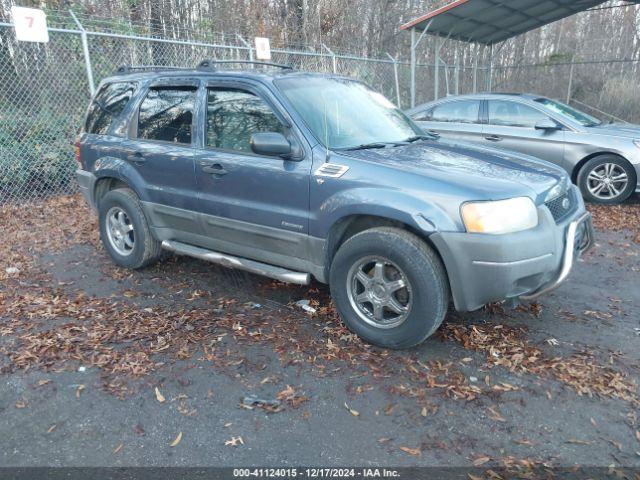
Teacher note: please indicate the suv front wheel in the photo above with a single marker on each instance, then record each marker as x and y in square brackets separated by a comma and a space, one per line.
[389, 287]
[124, 230]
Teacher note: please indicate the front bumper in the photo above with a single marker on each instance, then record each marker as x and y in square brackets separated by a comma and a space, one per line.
[488, 268]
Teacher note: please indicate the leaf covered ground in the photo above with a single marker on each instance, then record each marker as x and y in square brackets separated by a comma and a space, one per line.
[546, 384]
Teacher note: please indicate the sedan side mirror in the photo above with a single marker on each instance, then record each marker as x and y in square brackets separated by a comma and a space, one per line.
[270, 143]
[547, 125]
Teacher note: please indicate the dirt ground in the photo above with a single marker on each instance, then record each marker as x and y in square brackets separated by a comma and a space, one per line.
[190, 364]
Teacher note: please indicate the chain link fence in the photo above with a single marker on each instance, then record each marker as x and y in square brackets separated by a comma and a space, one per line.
[45, 89]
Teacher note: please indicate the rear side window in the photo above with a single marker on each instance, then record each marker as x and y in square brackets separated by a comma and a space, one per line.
[512, 114]
[107, 105]
[465, 111]
[166, 114]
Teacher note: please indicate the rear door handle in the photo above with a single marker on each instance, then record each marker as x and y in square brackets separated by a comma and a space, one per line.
[433, 132]
[214, 169]
[136, 158]
[493, 138]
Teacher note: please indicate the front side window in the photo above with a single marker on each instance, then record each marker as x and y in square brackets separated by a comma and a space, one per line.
[345, 113]
[512, 114]
[466, 111]
[107, 105]
[234, 115]
[166, 114]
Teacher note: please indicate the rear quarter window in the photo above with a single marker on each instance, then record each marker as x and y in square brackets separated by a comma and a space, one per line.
[107, 105]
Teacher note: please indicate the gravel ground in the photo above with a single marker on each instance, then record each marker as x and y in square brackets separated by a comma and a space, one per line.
[105, 367]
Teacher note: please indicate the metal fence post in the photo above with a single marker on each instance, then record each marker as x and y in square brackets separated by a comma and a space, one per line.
[570, 87]
[333, 58]
[85, 49]
[397, 79]
[247, 45]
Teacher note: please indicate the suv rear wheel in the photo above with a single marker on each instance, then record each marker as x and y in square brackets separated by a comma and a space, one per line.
[607, 179]
[390, 288]
[124, 230]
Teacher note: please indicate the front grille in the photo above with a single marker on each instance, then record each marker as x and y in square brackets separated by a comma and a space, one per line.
[562, 206]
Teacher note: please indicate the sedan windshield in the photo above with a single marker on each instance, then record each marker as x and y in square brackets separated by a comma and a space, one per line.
[345, 114]
[582, 118]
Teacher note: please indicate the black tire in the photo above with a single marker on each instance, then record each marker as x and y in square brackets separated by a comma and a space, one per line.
[599, 163]
[146, 249]
[420, 265]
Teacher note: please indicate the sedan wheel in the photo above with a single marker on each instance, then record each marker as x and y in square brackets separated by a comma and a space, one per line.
[607, 181]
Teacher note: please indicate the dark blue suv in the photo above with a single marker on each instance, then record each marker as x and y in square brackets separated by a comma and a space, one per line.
[296, 175]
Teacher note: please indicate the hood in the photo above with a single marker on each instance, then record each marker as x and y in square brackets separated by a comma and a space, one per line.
[626, 130]
[469, 164]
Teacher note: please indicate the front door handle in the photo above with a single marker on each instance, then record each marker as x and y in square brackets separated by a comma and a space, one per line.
[214, 169]
[433, 132]
[493, 138]
[136, 158]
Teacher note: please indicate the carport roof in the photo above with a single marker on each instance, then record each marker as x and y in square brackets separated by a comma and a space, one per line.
[493, 21]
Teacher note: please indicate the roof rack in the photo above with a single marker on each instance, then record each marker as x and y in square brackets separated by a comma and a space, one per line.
[145, 68]
[211, 64]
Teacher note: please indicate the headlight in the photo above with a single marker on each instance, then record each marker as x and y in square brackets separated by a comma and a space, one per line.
[503, 216]
[560, 188]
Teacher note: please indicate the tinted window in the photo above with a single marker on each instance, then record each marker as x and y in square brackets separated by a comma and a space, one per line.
[514, 114]
[234, 115]
[107, 105]
[466, 111]
[167, 114]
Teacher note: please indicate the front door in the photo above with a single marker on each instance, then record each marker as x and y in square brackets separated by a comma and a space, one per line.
[251, 204]
[512, 126]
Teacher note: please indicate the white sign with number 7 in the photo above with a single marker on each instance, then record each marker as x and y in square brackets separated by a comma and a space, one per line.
[30, 24]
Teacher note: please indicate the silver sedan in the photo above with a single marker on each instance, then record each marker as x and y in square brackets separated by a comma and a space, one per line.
[602, 159]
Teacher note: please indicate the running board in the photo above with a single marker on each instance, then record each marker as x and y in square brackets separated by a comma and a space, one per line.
[230, 261]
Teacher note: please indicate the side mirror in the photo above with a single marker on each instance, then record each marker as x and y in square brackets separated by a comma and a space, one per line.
[547, 125]
[270, 143]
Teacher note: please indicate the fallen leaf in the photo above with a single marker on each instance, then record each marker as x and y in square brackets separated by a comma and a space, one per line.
[524, 442]
[638, 435]
[234, 442]
[411, 451]
[424, 411]
[481, 461]
[578, 442]
[118, 448]
[159, 396]
[52, 428]
[494, 415]
[22, 403]
[177, 440]
[353, 412]
[79, 390]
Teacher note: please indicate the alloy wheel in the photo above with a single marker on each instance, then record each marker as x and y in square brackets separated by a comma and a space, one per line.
[607, 181]
[120, 231]
[379, 292]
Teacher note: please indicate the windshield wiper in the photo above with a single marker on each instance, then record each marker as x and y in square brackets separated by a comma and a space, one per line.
[367, 146]
[415, 138]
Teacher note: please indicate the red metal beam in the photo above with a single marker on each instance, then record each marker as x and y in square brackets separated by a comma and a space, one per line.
[435, 13]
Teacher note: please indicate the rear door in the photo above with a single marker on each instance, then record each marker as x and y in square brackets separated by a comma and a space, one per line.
[251, 203]
[512, 125]
[453, 119]
[161, 150]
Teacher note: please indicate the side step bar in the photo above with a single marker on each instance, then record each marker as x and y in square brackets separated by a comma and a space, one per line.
[230, 261]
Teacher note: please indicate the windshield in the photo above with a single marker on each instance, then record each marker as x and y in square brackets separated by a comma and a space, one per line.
[582, 118]
[347, 114]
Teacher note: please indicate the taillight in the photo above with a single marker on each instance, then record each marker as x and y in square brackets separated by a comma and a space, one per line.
[77, 148]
